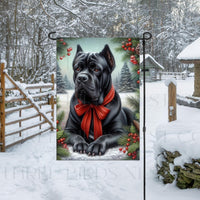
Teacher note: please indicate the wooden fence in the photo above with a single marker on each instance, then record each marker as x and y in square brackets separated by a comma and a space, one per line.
[35, 99]
[175, 75]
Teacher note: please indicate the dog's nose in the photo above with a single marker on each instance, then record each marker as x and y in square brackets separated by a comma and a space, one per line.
[82, 78]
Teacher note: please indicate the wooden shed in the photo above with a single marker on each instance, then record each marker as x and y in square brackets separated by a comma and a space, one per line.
[153, 66]
[191, 54]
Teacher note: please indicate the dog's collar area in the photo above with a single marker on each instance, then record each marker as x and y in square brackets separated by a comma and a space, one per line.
[95, 112]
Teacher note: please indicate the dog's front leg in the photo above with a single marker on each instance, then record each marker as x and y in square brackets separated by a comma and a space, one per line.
[100, 145]
[78, 143]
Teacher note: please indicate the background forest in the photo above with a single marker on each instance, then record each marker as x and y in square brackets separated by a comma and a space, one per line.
[25, 25]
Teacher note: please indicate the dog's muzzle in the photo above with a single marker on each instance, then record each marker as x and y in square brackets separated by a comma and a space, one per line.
[82, 78]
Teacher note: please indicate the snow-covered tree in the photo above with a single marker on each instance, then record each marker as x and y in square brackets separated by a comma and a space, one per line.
[61, 88]
[126, 84]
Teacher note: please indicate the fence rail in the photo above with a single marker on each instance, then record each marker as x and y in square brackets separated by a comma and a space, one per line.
[31, 98]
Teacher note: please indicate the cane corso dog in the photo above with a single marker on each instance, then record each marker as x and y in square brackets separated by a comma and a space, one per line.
[96, 119]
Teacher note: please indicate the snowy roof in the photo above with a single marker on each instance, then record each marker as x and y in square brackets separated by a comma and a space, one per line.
[152, 59]
[191, 53]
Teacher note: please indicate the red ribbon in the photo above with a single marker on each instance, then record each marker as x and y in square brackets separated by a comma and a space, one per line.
[99, 113]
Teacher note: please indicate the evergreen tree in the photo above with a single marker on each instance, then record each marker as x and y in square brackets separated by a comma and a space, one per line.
[61, 88]
[126, 84]
[68, 85]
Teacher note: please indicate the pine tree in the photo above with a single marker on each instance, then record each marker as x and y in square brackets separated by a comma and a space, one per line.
[130, 49]
[68, 85]
[61, 88]
[126, 84]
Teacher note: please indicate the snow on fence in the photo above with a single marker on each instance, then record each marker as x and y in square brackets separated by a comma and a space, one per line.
[24, 107]
[175, 75]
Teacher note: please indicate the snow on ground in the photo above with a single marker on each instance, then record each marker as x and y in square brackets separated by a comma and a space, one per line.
[157, 121]
[30, 171]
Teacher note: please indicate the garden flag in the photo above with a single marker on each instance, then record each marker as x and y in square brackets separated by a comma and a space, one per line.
[98, 98]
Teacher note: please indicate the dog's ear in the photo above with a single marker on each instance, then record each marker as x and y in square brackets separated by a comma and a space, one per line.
[79, 49]
[106, 52]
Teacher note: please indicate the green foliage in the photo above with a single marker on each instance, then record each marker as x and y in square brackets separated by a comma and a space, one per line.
[187, 176]
[59, 134]
[62, 152]
[133, 147]
[123, 140]
[60, 116]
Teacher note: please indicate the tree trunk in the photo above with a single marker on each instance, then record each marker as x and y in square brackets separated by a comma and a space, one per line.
[197, 80]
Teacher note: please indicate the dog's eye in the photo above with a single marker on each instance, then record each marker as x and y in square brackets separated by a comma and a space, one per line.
[78, 69]
[96, 69]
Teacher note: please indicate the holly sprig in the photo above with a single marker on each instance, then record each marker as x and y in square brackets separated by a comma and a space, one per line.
[130, 144]
[62, 49]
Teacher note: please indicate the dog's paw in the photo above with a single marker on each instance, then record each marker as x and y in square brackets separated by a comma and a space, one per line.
[80, 147]
[96, 148]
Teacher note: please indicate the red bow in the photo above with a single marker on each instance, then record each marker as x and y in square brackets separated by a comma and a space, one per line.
[99, 113]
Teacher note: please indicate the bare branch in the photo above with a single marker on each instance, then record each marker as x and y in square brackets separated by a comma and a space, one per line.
[93, 4]
[74, 14]
[42, 6]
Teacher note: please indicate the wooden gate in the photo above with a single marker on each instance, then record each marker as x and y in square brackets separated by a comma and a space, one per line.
[24, 107]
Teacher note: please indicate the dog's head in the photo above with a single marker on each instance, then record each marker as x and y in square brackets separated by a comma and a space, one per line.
[92, 75]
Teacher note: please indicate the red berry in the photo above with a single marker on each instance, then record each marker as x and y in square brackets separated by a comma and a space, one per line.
[64, 139]
[64, 43]
[62, 142]
[129, 48]
[68, 50]
[68, 54]
[129, 154]
[127, 44]
[134, 141]
[132, 57]
[61, 39]
[130, 43]
[132, 49]
[127, 144]
[138, 71]
[126, 148]
[57, 122]
[124, 151]
[123, 46]
[120, 148]
[129, 39]
[134, 157]
[138, 139]
[128, 139]
[135, 134]
[61, 58]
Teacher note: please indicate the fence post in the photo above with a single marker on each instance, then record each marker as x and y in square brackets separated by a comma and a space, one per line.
[2, 109]
[40, 105]
[172, 102]
[52, 100]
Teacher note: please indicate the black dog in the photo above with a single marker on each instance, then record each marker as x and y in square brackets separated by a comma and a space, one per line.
[96, 118]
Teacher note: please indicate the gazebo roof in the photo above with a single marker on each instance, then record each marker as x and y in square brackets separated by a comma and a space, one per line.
[191, 54]
[148, 56]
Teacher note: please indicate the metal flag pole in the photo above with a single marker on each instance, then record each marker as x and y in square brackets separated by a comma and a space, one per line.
[146, 36]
